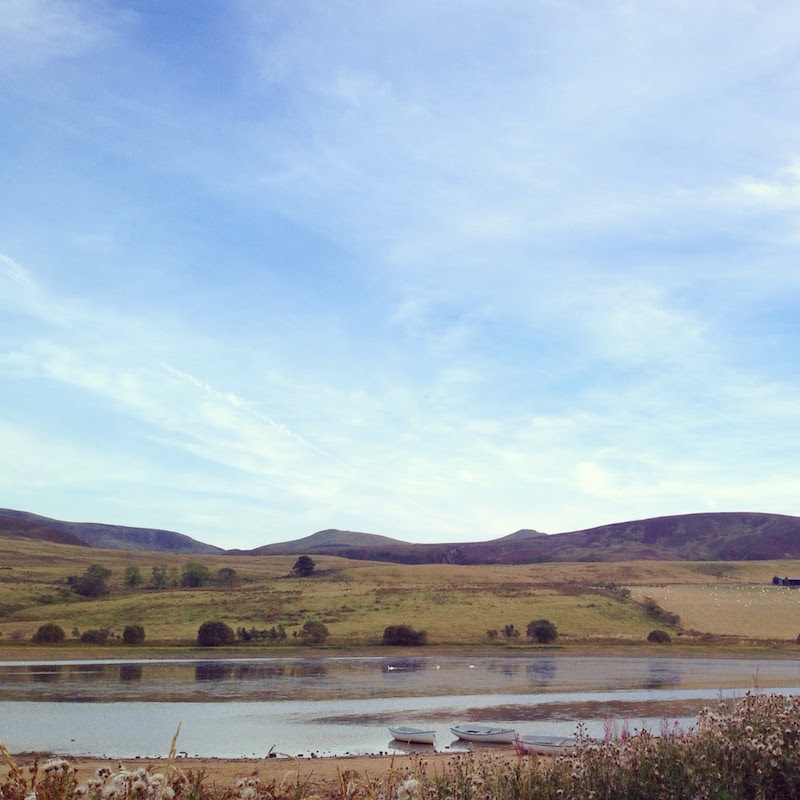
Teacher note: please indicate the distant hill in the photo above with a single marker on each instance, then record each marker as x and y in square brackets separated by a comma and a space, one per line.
[112, 537]
[28, 529]
[716, 536]
[330, 539]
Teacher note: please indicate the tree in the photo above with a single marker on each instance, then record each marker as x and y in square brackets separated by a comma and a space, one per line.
[542, 630]
[194, 575]
[132, 577]
[226, 576]
[215, 634]
[133, 634]
[104, 573]
[510, 632]
[94, 636]
[659, 637]
[404, 635]
[303, 567]
[92, 583]
[49, 633]
[159, 578]
[313, 632]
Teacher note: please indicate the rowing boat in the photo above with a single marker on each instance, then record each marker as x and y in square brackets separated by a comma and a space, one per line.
[484, 733]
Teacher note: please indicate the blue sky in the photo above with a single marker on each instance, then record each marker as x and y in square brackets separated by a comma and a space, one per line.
[433, 270]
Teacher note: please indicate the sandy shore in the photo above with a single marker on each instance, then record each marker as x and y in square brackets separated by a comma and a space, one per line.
[225, 771]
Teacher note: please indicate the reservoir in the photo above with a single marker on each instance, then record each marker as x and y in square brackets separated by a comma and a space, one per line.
[340, 706]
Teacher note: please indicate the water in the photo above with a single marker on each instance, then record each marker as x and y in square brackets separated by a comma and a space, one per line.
[338, 706]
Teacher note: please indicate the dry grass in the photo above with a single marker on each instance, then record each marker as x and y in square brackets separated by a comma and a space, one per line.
[357, 600]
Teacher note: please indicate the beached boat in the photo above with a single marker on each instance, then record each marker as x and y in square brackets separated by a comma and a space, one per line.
[404, 733]
[486, 734]
[546, 745]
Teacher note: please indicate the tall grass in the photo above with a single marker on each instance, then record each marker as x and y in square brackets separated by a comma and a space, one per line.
[750, 751]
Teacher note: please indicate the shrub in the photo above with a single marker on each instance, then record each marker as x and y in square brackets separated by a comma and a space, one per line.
[49, 633]
[510, 632]
[313, 632]
[88, 585]
[542, 631]
[95, 636]
[303, 567]
[215, 634]
[133, 634]
[226, 576]
[658, 637]
[659, 614]
[404, 635]
[194, 575]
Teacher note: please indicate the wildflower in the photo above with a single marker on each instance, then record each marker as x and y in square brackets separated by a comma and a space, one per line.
[407, 788]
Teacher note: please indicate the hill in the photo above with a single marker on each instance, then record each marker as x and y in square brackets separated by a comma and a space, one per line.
[331, 540]
[715, 536]
[112, 537]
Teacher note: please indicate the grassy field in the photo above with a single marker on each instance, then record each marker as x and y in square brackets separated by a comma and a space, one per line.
[456, 605]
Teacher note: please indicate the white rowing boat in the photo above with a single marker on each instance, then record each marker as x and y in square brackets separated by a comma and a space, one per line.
[487, 734]
[404, 733]
[547, 745]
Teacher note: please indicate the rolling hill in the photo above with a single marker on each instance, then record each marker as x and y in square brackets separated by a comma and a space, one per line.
[113, 537]
[715, 536]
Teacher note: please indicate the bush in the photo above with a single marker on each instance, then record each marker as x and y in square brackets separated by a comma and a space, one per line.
[49, 633]
[195, 575]
[226, 576]
[133, 634]
[94, 636]
[215, 634]
[313, 632]
[659, 614]
[303, 567]
[658, 637]
[404, 635]
[542, 631]
[88, 585]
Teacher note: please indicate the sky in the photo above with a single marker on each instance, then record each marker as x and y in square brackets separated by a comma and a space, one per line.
[432, 270]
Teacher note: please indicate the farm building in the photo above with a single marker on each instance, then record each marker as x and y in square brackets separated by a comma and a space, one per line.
[792, 583]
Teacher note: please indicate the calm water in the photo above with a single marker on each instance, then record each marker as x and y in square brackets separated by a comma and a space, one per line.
[335, 706]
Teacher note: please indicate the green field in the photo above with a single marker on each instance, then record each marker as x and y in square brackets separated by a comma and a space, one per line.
[356, 600]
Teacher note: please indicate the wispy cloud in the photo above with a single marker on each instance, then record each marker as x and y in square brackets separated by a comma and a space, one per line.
[540, 274]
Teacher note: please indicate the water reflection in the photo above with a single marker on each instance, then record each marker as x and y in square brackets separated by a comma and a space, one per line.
[503, 667]
[260, 672]
[45, 673]
[307, 669]
[130, 672]
[213, 671]
[662, 673]
[90, 671]
[542, 671]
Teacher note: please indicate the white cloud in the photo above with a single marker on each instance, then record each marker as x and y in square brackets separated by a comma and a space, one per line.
[34, 31]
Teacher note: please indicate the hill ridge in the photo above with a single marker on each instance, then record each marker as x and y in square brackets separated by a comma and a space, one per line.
[698, 536]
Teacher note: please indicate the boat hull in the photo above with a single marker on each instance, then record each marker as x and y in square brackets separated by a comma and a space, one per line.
[546, 745]
[484, 734]
[412, 735]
